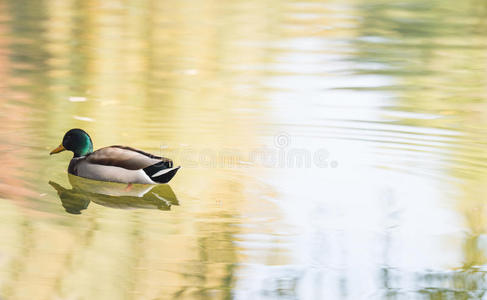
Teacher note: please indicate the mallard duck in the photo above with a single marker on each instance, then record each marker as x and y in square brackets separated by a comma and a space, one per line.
[115, 163]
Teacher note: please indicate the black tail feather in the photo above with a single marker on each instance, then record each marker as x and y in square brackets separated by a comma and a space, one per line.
[153, 169]
[163, 178]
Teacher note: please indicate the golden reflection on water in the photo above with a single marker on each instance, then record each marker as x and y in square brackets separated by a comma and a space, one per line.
[147, 75]
[393, 92]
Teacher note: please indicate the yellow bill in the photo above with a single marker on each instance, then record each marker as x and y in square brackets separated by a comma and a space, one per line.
[58, 149]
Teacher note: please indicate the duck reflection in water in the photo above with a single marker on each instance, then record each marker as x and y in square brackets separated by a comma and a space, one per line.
[113, 194]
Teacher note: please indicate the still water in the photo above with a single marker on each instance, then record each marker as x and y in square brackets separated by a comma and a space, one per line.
[329, 149]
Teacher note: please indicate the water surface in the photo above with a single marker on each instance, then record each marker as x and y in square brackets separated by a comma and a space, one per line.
[329, 149]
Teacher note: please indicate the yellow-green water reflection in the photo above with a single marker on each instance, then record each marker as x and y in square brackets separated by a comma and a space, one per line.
[329, 149]
[109, 194]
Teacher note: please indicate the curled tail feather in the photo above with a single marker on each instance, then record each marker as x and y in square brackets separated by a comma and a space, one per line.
[161, 172]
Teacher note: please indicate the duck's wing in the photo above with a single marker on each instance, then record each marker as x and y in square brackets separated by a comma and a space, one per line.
[123, 164]
[126, 157]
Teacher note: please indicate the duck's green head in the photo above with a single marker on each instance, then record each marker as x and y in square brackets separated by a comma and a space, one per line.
[76, 140]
